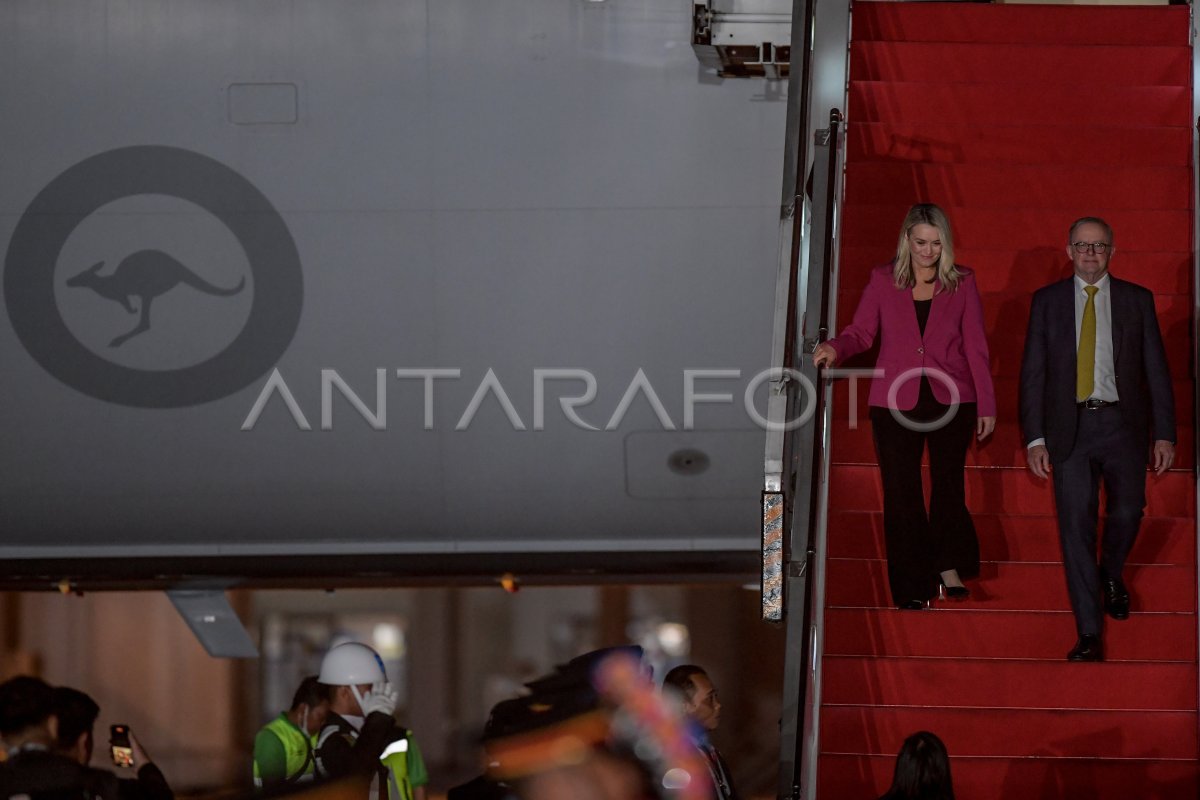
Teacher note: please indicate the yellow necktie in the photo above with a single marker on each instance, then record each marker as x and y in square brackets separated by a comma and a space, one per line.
[1085, 364]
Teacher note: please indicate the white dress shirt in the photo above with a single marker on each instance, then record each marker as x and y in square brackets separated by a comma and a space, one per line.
[1105, 372]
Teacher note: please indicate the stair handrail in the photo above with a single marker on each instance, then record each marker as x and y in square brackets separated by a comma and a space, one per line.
[804, 493]
[793, 519]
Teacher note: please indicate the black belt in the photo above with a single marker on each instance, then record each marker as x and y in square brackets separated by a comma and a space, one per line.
[1094, 404]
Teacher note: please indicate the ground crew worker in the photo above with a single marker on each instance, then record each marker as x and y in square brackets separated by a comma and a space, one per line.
[283, 748]
[360, 737]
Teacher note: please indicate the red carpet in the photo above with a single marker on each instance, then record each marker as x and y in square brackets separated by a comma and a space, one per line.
[1017, 120]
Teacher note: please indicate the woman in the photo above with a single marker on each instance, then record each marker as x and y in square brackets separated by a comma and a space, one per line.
[922, 770]
[935, 388]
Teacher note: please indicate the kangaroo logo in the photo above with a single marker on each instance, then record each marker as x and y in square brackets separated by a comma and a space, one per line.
[30, 285]
[145, 275]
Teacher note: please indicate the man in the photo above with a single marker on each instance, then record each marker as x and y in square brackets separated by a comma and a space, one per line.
[1088, 414]
[32, 769]
[76, 713]
[690, 686]
[283, 749]
[360, 738]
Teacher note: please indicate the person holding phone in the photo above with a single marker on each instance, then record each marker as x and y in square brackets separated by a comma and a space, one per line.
[32, 766]
[934, 389]
[77, 712]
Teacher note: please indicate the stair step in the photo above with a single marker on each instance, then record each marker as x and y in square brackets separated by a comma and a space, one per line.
[1000, 634]
[1026, 265]
[1017, 491]
[876, 226]
[1037, 778]
[1006, 389]
[942, 683]
[1056, 26]
[1004, 448]
[987, 185]
[1006, 537]
[1012, 733]
[1016, 586]
[975, 143]
[1025, 64]
[1002, 104]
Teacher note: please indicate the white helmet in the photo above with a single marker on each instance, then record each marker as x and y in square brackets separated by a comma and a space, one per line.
[351, 664]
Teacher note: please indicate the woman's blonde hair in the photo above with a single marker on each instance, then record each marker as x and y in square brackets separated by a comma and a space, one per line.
[947, 273]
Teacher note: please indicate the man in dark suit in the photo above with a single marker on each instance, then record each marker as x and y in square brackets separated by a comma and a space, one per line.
[1089, 412]
[690, 686]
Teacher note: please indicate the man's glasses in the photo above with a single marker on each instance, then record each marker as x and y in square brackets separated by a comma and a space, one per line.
[1099, 248]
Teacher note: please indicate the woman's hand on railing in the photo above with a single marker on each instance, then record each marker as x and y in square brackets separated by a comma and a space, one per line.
[824, 355]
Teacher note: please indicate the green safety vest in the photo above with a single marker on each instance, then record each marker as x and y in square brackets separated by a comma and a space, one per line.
[296, 747]
[395, 758]
[393, 761]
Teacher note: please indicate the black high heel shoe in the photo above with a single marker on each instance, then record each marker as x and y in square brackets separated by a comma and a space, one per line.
[955, 593]
[913, 605]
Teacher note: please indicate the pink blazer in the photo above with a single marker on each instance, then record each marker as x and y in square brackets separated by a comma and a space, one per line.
[954, 342]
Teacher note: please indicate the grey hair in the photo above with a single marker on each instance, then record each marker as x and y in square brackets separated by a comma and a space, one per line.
[1108, 231]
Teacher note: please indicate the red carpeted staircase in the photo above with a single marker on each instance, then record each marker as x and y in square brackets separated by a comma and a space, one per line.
[1017, 120]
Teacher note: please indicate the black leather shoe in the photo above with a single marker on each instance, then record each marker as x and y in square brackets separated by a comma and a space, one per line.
[914, 605]
[1116, 598]
[1088, 648]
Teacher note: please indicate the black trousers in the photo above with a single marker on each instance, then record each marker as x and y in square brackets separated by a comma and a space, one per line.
[921, 545]
[1105, 449]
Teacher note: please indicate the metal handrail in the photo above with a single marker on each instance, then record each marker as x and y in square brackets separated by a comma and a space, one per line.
[776, 496]
[806, 460]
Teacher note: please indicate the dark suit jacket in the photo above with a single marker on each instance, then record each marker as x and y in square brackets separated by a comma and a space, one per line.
[1048, 368]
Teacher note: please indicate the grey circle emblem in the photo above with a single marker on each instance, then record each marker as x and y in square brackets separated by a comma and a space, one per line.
[71, 197]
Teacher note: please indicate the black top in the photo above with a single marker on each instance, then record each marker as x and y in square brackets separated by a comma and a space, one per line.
[41, 775]
[928, 408]
[923, 307]
[150, 784]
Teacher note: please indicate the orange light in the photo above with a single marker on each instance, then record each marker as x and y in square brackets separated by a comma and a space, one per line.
[508, 582]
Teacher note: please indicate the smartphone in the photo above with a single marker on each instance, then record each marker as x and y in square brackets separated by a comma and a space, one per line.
[122, 751]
